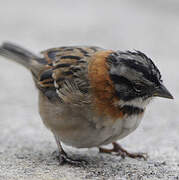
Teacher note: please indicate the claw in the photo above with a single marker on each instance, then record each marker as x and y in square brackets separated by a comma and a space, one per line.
[64, 159]
[133, 155]
[122, 152]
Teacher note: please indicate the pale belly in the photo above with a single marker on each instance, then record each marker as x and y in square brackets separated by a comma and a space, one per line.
[95, 137]
[81, 129]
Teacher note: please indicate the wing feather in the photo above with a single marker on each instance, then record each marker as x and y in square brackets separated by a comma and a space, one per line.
[65, 78]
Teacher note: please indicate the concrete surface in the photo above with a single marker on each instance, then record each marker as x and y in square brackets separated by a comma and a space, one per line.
[26, 146]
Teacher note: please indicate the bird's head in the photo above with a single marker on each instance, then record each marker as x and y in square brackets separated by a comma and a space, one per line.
[136, 78]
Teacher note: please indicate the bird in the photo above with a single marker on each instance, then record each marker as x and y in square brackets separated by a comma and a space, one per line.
[90, 96]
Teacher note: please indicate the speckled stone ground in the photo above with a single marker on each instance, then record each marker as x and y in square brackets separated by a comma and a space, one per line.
[26, 146]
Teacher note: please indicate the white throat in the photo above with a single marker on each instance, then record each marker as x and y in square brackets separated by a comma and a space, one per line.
[138, 102]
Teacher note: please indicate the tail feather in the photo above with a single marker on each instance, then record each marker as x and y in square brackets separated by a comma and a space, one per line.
[22, 56]
[19, 54]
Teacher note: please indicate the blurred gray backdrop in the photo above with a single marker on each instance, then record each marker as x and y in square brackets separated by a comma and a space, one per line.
[150, 26]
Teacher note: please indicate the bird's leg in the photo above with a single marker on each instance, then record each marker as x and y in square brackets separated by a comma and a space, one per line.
[63, 157]
[122, 152]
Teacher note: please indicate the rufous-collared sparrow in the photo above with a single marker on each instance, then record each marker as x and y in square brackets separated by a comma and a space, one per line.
[89, 96]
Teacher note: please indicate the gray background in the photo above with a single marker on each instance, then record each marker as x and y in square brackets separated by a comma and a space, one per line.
[26, 146]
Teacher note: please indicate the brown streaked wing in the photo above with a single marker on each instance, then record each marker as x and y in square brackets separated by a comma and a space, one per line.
[55, 54]
[66, 64]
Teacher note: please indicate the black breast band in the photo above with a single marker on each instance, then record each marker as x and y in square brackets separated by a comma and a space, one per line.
[131, 110]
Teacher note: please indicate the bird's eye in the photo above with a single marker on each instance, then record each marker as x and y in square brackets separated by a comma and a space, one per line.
[139, 88]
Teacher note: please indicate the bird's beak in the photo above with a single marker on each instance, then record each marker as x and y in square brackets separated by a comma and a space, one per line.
[162, 91]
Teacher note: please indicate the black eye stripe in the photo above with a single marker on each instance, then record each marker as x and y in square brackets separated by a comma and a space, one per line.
[139, 88]
[131, 92]
[120, 79]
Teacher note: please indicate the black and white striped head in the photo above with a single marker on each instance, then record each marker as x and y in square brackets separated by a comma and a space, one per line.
[135, 77]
